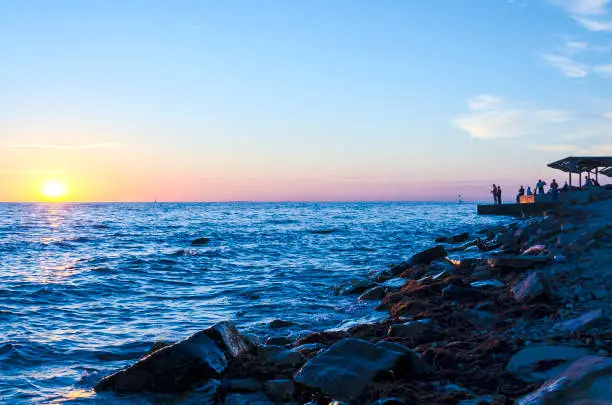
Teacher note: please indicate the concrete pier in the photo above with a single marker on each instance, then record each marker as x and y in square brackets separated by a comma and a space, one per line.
[516, 210]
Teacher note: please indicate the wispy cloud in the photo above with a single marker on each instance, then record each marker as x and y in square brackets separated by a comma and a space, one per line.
[64, 146]
[555, 148]
[594, 25]
[500, 120]
[567, 66]
[604, 70]
[582, 7]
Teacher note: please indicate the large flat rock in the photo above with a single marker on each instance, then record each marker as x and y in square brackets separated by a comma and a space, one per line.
[524, 364]
[345, 369]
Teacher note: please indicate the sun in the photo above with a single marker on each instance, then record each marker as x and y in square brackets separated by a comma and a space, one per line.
[53, 189]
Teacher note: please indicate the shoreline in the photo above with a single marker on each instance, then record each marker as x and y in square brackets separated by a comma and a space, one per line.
[488, 326]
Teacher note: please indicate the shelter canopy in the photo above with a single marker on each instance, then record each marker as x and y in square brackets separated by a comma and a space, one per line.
[584, 164]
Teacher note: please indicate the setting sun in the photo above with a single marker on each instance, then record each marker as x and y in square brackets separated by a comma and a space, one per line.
[54, 189]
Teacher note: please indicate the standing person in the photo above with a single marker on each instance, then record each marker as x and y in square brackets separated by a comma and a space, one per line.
[494, 192]
[540, 186]
[554, 189]
[521, 193]
[565, 187]
[529, 190]
[498, 195]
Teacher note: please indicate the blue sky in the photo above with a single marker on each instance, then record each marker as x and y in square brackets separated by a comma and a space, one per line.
[299, 100]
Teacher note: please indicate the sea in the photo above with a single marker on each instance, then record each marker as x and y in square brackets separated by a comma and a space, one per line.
[86, 289]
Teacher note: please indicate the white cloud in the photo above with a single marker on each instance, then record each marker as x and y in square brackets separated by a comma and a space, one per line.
[64, 146]
[604, 70]
[500, 121]
[567, 66]
[582, 7]
[608, 115]
[484, 102]
[594, 25]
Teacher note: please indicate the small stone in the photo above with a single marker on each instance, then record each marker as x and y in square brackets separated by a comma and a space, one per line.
[462, 293]
[390, 401]
[487, 284]
[421, 330]
[479, 319]
[280, 390]
[309, 348]
[394, 284]
[356, 286]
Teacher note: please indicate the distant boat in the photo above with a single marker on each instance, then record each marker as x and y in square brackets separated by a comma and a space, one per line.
[460, 198]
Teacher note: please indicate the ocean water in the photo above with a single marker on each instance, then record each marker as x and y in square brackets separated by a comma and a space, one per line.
[85, 289]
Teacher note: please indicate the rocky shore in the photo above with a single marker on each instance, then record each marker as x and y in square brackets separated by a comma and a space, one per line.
[511, 314]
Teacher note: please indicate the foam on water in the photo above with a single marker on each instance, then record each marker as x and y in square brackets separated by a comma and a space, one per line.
[85, 289]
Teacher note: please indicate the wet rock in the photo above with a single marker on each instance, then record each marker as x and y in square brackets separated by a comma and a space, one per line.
[374, 293]
[487, 284]
[279, 341]
[481, 400]
[478, 319]
[540, 363]
[280, 323]
[245, 385]
[189, 362]
[390, 401]
[584, 322]
[535, 250]
[279, 355]
[229, 339]
[587, 381]
[462, 237]
[356, 286]
[258, 398]
[345, 369]
[394, 284]
[429, 255]
[200, 241]
[280, 390]
[206, 394]
[414, 331]
[533, 287]
[158, 345]
[382, 275]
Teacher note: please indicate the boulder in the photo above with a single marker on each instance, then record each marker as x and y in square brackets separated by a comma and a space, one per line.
[429, 255]
[200, 241]
[309, 347]
[257, 398]
[533, 287]
[414, 331]
[462, 237]
[345, 369]
[382, 275]
[280, 390]
[280, 323]
[229, 339]
[374, 293]
[414, 365]
[587, 381]
[189, 362]
[540, 363]
[584, 322]
[356, 286]
[394, 284]
[478, 319]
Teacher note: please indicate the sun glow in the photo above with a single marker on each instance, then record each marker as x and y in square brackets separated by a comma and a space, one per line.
[53, 189]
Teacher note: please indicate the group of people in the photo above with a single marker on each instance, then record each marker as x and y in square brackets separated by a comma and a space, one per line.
[497, 194]
[553, 190]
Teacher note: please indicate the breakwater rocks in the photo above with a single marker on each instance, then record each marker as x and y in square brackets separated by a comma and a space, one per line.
[516, 314]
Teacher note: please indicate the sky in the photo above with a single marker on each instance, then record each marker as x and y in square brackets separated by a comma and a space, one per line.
[319, 100]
